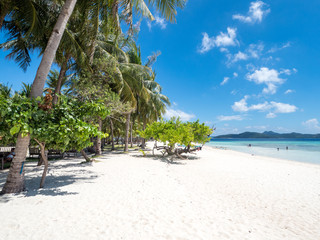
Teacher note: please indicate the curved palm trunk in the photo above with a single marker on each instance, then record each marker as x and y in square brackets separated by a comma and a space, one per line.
[62, 74]
[126, 149]
[15, 179]
[98, 142]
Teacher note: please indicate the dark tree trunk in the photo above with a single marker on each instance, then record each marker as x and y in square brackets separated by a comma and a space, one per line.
[143, 144]
[45, 160]
[131, 142]
[112, 136]
[85, 156]
[40, 162]
[126, 149]
[98, 142]
[62, 74]
[15, 179]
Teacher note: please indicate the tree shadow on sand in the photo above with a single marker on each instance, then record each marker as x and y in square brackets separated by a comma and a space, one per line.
[58, 176]
[174, 160]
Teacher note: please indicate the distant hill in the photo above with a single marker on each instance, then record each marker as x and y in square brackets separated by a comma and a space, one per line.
[269, 134]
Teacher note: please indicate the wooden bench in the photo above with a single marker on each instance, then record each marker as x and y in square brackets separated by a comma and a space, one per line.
[54, 152]
[34, 151]
[71, 152]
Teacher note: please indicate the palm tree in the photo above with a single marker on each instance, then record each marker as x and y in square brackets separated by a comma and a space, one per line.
[15, 179]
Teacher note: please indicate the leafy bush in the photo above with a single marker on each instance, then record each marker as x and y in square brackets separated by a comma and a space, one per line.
[174, 132]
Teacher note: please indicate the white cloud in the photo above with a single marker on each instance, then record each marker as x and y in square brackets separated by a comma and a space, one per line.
[235, 74]
[178, 113]
[256, 12]
[267, 76]
[161, 22]
[158, 21]
[260, 107]
[241, 106]
[312, 124]
[289, 91]
[283, 107]
[230, 118]
[225, 80]
[222, 40]
[273, 107]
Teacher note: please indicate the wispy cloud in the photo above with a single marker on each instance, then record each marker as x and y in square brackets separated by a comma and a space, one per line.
[257, 11]
[253, 51]
[221, 40]
[272, 107]
[178, 113]
[225, 80]
[289, 91]
[276, 49]
[257, 127]
[230, 118]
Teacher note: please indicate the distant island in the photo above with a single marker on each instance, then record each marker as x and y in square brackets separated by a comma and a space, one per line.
[269, 134]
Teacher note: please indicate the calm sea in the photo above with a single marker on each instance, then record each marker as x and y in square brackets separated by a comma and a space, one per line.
[302, 150]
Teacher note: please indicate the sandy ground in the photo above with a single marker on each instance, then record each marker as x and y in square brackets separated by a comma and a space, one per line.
[215, 194]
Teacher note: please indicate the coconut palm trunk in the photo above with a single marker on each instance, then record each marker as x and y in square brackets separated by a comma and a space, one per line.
[15, 179]
[126, 139]
[62, 74]
[112, 135]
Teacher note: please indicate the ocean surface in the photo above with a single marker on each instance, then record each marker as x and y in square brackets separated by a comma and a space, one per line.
[301, 150]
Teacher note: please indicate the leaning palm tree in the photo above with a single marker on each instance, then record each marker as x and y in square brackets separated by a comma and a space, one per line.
[15, 179]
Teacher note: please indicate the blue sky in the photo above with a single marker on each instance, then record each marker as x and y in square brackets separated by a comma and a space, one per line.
[240, 65]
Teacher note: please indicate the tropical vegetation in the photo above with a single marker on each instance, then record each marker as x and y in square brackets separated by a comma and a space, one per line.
[102, 88]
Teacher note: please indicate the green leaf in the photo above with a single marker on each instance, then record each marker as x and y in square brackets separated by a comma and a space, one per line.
[14, 130]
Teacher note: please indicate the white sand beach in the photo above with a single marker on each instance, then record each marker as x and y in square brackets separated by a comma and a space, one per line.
[216, 194]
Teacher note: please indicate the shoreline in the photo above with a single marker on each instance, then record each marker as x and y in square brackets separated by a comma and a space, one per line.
[215, 194]
[270, 158]
[298, 153]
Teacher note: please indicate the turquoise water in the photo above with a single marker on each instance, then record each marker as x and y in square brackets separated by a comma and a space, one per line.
[302, 150]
